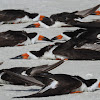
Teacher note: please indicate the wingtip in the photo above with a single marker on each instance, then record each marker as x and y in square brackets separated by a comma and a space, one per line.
[54, 65]
[85, 13]
[1, 63]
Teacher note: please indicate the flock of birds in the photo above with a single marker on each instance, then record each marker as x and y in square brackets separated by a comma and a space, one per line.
[71, 49]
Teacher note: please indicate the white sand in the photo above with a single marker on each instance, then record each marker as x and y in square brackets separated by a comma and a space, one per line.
[46, 7]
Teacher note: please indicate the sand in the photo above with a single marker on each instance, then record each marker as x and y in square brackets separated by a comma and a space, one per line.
[86, 69]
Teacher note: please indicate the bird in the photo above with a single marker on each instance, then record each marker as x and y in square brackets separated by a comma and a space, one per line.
[69, 34]
[62, 19]
[19, 38]
[96, 12]
[69, 50]
[58, 84]
[5, 78]
[88, 35]
[43, 53]
[14, 16]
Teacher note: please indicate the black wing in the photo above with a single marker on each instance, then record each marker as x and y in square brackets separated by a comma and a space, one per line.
[44, 68]
[11, 38]
[87, 12]
[25, 79]
[64, 84]
[11, 14]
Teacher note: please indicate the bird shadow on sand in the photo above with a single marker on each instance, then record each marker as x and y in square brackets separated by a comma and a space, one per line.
[31, 90]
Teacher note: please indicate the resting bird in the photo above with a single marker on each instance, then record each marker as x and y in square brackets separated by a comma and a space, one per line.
[58, 84]
[87, 35]
[5, 78]
[63, 19]
[19, 38]
[14, 16]
[70, 49]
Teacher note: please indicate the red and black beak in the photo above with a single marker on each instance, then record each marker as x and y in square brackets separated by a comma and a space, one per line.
[35, 25]
[57, 37]
[43, 38]
[99, 85]
[23, 56]
[41, 17]
[96, 13]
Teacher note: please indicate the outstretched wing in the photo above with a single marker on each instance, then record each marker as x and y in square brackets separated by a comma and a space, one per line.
[65, 85]
[43, 68]
[26, 79]
[87, 12]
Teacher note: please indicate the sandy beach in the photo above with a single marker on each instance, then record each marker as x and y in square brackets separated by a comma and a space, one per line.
[86, 69]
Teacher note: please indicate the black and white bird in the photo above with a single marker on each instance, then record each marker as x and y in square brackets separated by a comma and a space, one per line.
[5, 78]
[70, 49]
[18, 16]
[87, 35]
[19, 38]
[58, 84]
[63, 19]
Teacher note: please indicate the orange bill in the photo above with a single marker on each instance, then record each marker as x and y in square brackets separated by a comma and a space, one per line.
[25, 56]
[43, 38]
[57, 37]
[20, 45]
[61, 59]
[40, 37]
[41, 17]
[36, 24]
[99, 85]
[97, 12]
[76, 92]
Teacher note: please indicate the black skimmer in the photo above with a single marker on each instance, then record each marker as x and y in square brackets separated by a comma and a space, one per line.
[27, 71]
[96, 12]
[19, 38]
[87, 35]
[63, 19]
[14, 16]
[58, 84]
[44, 53]
[65, 51]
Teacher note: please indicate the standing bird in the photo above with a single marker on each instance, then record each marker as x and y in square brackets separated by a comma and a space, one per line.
[19, 38]
[18, 16]
[63, 19]
[58, 84]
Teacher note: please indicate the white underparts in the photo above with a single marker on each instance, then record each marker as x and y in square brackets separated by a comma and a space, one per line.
[84, 88]
[24, 73]
[65, 37]
[33, 40]
[27, 42]
[36, 18]
[49, 54]
[20, 20]
[43, 25]
[32, 56]
[58, 24]
[93, 87]
[98, 36]
[52, 85]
